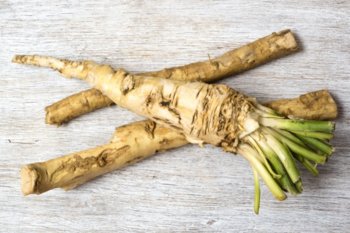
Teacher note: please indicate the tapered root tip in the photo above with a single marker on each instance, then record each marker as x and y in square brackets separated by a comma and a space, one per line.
[21, 59]
[16, 58]
[29, 177]
[51, 118]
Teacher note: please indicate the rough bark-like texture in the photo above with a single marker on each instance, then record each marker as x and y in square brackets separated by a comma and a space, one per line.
[145, 138]
[233, 62]
[214, 114]
[313, 105]
[130, 143]
[75, 105]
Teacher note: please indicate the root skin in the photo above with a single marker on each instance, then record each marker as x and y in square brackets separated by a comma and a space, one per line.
[130, 144]
[313, 105]
[204, 113]
[212, 114]
[36, 177]
[75, 105]
[191, 108]
[233, 62]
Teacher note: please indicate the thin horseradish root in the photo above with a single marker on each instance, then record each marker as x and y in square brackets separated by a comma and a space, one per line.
[233, 62]
[214, 114]
[130, 143]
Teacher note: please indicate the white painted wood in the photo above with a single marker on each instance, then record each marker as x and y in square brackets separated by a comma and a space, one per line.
[185, 190]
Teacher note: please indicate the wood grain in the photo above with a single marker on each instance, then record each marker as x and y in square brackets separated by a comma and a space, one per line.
[185, 190]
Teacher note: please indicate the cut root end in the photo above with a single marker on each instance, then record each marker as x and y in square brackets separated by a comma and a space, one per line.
[29, 177]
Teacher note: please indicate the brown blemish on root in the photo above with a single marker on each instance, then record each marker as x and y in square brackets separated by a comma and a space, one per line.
[104, 158]
[128, 84]
[150, 126]
[164, 103]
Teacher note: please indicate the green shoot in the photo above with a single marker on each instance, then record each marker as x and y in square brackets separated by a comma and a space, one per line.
[251, 155]
[298, 125]
[256, 191]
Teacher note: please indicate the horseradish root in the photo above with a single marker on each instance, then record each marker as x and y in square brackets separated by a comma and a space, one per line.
[314, 105]
[233, 62]
[145, 137]
[130, 143]
[214, 114]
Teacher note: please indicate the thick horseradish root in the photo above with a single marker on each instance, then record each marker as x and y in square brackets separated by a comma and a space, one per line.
[235, 61]
[214, 114]
[144, 137]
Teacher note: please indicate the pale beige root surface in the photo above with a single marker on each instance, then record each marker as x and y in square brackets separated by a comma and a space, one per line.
[233, 62]
[313, 105]
[130, 143]
[214, 114]
[157, 137]
[209, 113]
[75, 105]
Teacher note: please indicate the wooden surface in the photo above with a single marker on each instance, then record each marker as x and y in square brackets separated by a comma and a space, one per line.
[185, 190]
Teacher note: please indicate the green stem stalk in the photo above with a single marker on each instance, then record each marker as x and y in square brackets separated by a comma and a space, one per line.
[254, 144]
[312, 168]
[277, 165]
[305, 162]
[256, 191]
[298, 149]
[312, 134]
[298, 125]
[318, 145]
[284, 155]
[250, 154]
